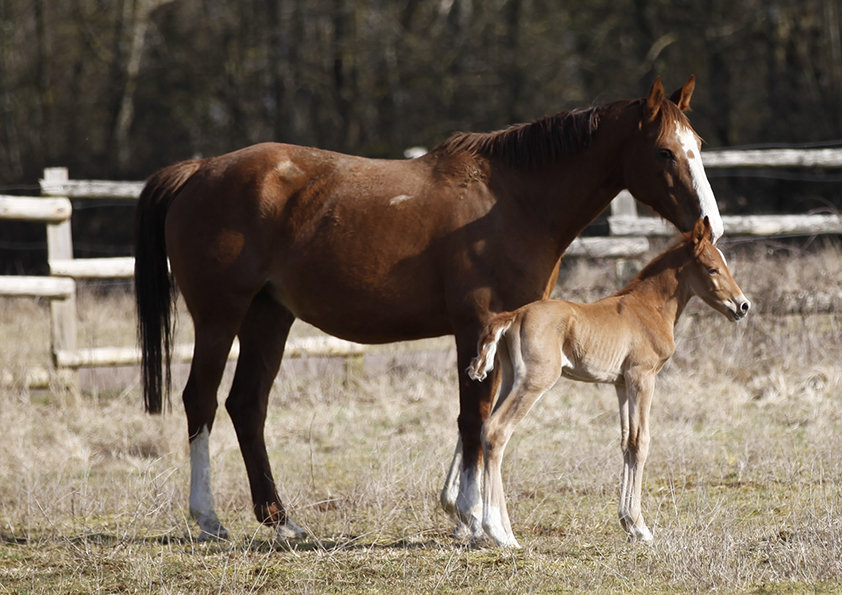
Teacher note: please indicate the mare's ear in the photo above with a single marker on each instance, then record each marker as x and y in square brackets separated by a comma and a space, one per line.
[654, 100]
[682, 96]
[701, 233]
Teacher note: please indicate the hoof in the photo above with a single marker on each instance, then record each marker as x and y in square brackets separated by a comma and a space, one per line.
[642, 534]
[461, 532]
[289, 530]
[218, 534]
[499, 537]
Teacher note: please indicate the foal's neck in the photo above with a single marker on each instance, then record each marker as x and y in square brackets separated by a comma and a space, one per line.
[660, 286]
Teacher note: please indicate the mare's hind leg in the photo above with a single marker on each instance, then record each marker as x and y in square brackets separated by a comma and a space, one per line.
[450, 491]
[210, 354]
[263, 335]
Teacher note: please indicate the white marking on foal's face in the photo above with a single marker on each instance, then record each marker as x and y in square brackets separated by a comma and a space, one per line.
[725, 262]
[692, 151]
[399, 199]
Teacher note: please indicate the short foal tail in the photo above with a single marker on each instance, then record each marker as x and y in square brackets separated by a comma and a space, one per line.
[154, 291]
[483, 363]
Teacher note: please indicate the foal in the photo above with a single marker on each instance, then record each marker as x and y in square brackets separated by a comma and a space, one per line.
[624, 340]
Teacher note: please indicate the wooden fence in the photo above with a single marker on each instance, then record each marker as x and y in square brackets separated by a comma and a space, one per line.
[629, 233]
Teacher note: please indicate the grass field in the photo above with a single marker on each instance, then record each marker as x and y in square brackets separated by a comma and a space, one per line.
[743, 488]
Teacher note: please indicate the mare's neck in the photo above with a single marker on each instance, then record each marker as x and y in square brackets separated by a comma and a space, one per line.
[566, 195]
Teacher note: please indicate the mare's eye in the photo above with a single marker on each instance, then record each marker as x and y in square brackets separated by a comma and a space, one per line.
[666, 154]
[713, 271]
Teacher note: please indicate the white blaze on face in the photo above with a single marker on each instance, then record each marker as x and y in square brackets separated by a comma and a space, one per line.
[692, 151]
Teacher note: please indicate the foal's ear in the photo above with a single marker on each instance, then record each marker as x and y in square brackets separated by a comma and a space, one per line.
[701, 232]
[682, 96]
[654, 100]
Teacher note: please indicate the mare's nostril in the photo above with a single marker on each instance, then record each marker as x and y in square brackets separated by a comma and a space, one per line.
[745, 306]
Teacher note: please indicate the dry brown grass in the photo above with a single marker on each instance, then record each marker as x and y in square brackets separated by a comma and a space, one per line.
[743, 489]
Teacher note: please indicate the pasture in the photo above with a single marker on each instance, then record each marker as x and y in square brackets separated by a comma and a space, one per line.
[743, 487]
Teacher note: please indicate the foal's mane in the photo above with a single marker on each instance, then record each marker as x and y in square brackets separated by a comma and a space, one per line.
[530, 145]
[672, 257]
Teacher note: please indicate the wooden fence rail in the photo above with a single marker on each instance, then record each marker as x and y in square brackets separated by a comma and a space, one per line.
[629, 233]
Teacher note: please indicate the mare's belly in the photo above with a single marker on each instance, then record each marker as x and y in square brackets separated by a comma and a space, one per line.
[368, 315]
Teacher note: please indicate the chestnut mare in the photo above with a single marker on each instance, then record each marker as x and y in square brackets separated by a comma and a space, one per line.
[376, 251]
[624, 340]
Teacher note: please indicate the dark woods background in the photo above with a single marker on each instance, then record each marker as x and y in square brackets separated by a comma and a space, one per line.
[115, 89]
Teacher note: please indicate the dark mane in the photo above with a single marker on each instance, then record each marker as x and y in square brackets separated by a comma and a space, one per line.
[530, 145]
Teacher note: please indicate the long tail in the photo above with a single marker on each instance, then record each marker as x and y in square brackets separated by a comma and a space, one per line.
[483, 363]
[154, 290]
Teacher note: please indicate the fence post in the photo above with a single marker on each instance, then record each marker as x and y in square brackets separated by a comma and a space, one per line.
[624, 205]
[60, 247]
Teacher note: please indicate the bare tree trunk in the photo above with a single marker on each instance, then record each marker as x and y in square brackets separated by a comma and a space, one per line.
[10, 149]
[834, 29]
[345, 74]
[136, 15]
[44, 123]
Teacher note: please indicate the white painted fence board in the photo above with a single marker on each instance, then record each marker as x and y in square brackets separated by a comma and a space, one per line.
[323, 346]
[773, 158]
[93, 268]
[48, 287]
[35, 208]
[600, 247]
[750, 225]
[92, 189]
[773, 225]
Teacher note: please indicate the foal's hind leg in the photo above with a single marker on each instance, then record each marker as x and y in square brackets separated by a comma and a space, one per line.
[517, 397]
[263, 335]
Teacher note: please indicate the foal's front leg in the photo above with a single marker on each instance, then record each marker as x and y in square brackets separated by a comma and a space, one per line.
[635, 399]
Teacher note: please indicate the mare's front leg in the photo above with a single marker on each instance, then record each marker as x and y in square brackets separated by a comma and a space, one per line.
[635, 399]
[262, 335]
[475, 400]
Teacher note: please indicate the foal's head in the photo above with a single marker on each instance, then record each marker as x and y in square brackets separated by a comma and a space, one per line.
[709, 277]
[663, 161]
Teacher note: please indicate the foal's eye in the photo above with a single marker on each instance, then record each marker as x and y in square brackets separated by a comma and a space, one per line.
[666, 154]
[713, 271]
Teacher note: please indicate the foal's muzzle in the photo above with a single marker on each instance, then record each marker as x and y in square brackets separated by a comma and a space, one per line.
[740, 307]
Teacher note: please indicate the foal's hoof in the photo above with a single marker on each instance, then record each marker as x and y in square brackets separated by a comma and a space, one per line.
[461, 532]
[502, 540]
[642, 534]
[289, 530]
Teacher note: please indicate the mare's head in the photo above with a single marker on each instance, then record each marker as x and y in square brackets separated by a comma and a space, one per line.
[708, 275]
[663, 162]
